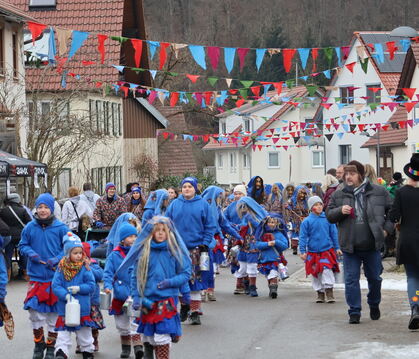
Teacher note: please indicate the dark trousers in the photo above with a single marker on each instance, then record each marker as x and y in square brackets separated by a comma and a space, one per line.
[371, 261]
[8, 254]
[412, 273]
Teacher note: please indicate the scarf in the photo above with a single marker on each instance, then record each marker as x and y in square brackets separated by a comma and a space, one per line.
[135, 201]
[110, 199]
[44, 222]
[359, 201]
[69, 268]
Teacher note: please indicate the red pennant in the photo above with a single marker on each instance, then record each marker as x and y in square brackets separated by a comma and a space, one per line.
[242, 52]
[98, 84]
[410, 123]
[245, 139]
[205, 138]
[278, 87]
[361, 127]
[193, 78]
[275, 140]
[198, 97]
[391, 48]
[409, 92]
[390, 105]
[124, 90]
[350, 66]
[328, 125]
[138, 49]
[101, 46]
[385, 127]
[163, 54]
[36, 29]
[240, 102]
[314, 54]
[410, 105]
[214, 55]
[272, 130]
[174, 97]
[402, 124]
[253, 147]
[345, 51]
[165, 135]
[152, 97]
[255, 90]
[233, 92]
[285, 147]
[326, 105]
[207, 96]
[260, 147]
[287, 55]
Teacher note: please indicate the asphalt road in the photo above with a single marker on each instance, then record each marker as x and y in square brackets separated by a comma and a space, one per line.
[240, 327]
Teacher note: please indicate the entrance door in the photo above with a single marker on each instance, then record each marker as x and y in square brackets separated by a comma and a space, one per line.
[386, 163]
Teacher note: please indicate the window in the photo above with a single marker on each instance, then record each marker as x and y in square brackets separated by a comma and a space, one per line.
[233, 163]
[347, 94]
[119, 121]
[223, 127]
[15, 55]
[345, 152]
[373, 94]
[245, 160]
[99, 116]
[102, 175]
[63, 109]
[273, 159]
[42, 2]
[247, 125]
[220, 160]
[317, 159]
[106, 116]
[92, 114]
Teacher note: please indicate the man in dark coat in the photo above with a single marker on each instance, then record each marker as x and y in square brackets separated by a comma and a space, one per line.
[360, 211]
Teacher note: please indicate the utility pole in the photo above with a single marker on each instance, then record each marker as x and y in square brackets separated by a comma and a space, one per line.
[378, 154]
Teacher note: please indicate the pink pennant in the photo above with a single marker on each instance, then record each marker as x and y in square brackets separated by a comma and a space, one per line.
[242, 52]
[345, 51]
[214, 55]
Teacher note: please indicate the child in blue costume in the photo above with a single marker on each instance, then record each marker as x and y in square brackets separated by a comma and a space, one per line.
[271, 242]
[193, 218]
[95, 312]
[252, 214]
[74, 278]
[318, 247]
[274, 201]
[162, 266]
[113, 236]
[121, 292]
[156, 205]
[42, 243]
[214, 196]
[298, 211]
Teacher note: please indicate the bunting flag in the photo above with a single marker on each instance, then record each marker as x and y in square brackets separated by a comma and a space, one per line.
[345, 51]
[153, 45]
[314, 54]
[193, 78]
[163, 54]
[62, 37]
[79, 37]
[174, 97]
[241, 53]
[409, 105]
[229, 53]
[364, 64]
[409, 92]
[337, 50]
[328, 53]
[138, 50]
[379, 53]
[198, 53]
[391, 48]
[101, 47]
[287, 55]
[304, 53]
[214, 55]
[350, 66]
[36, 30]
[51, 46]
[260, 54]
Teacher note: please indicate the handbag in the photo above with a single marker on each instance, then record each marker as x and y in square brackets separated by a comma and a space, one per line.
[80, 224]
[16, 216]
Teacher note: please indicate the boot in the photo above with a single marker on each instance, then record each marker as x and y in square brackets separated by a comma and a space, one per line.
[246, 287]
[50, 352]
[148, 351]
[38, 352]
[138, 351]
[60, 355]
[194, 318]
[184, 311]
[414, 319]
[95, 335]
[87, 355]
[239, 286]
[78, 350]
[329, 295]
[320, 297]
[252, 290]
[273, 291]
[203, 296]
[126, 346]
[211, 296]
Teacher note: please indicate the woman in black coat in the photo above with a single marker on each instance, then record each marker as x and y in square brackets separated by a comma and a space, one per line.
[12, 204]
[405, 210]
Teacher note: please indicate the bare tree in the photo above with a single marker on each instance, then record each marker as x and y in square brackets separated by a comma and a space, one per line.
[146, 169]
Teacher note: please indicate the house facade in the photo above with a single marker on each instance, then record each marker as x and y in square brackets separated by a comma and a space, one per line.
[354, 92]
[273, 156]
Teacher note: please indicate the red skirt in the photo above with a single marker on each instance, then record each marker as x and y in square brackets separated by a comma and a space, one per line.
[316, 262]
[42, 291]
[85, 321]
[163, 309]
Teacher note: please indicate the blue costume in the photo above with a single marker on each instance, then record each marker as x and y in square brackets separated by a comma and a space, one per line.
[297, 212]
[113, 236]
[155, 205]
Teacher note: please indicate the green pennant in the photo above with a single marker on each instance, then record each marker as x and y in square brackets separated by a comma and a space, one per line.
[338, 99]
[246, 83]
[364, 64]
[174, 74]
[254, 103]
[108, 90]
[358, 117]
[306, 105]
[373, 106]
[311, 89]
[189, 96]
[243, 92]
[212, 80]
[290, 83]
[328, 52]
[137, 70]
[120, 39]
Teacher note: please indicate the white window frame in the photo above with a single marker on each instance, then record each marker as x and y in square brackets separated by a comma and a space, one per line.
[279, 160]
[246, 160]
[233, 162]
[223, 127]
[321, 165]
[247, 121]
[348, 146]
[42, 2]
[220, 160]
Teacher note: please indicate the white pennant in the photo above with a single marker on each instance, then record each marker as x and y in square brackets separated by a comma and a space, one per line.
[229, 82]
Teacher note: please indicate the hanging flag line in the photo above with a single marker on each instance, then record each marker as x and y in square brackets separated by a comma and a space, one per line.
[199, 52]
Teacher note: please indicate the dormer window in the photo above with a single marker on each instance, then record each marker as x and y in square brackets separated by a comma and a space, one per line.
[42, 3]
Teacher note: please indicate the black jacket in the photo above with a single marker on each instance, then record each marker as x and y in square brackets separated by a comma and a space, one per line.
[377, 205]
[406, 209]
[15, 227]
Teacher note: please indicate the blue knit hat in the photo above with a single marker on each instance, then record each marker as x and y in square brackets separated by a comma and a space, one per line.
[109, 185]
[126, 230]
[192, 180]
[71, 241]
[136, 189]
[47, 199]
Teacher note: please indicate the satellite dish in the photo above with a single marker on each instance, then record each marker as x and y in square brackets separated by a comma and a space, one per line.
[404, 31]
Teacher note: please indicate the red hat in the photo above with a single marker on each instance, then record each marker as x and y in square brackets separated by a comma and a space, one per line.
[86, 248]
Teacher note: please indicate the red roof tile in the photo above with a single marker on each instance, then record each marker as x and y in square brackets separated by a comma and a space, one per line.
[391, 137]
[100, 16]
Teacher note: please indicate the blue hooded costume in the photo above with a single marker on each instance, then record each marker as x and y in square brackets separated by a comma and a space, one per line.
[164, 267]
[299, 210]
[154, 205]
[113, 236]
[257, 194]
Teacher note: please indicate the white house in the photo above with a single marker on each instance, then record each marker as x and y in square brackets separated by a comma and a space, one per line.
[265, 149]
[353, 93]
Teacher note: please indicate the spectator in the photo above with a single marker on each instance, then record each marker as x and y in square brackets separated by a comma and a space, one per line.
[89, 197]
[395, 184]
[405, 209]
[329, 186]
[173, 193]
[340, 173]
[74, 210]
[15, 215]
[360, 209]
[136, 202]
[370, 174]
[108, 208]
[332, 172]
